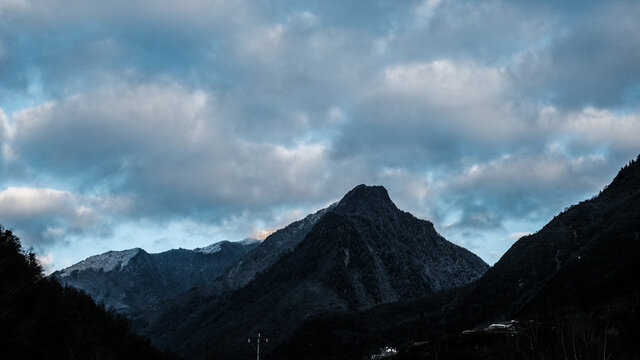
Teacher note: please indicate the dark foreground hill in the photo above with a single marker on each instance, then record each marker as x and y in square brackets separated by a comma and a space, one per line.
[360, 252]
[573, 287]
[40, 319]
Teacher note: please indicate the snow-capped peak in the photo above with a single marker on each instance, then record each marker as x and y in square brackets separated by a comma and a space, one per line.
[109, 261]
[211, 249]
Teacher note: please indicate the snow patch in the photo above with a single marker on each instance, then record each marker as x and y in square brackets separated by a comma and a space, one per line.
[211, 249]
[109, 261]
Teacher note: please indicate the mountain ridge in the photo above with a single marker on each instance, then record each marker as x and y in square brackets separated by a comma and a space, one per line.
[134, 281]
[355, 254]
[578, 270]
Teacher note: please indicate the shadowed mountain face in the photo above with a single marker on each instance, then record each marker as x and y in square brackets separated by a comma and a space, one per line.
[583, 262]
[134, 281]
[579, 250]
[358, 253]
[270, 250]
[409, 258]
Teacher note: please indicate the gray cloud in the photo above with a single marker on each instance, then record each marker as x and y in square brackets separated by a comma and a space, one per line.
[478, 217]
[250, 114]
[3, 148]
[533, 186]
[45, 216]
[166, 145]
[3, 127]
[589, 61]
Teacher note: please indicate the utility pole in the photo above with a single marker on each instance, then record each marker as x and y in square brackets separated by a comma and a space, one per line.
[257, 347]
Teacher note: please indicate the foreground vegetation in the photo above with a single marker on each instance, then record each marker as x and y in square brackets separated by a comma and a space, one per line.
[41, 319]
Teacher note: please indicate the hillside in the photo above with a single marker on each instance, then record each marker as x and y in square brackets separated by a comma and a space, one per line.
[572, 281]
[40, 319]
[362, 252]
[134, 282]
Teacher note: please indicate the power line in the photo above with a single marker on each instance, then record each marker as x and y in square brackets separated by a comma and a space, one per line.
[257, 346]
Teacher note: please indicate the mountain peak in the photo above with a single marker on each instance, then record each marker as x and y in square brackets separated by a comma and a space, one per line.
[364, 199]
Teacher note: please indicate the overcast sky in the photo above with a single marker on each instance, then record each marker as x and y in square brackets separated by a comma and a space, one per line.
[165, 124]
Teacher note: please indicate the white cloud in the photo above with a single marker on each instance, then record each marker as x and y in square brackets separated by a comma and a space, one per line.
[525, 171]
[47, 262]
[446, 82]
[263, 234]
[21, 202]
[110, 123]
[599, 126]
[177, 150]
[462, 98]
[517, 235]
[44, 215]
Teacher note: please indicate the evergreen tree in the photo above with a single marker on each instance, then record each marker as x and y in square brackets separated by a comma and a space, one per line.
[39, 318]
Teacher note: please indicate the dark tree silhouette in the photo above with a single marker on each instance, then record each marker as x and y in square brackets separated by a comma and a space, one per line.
[41, 319]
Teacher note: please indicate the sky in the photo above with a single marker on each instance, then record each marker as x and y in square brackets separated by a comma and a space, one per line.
[166, 124]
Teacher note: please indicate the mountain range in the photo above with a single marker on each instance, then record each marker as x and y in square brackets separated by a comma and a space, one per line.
[362, 274]
[134, 281]
[361, 252]
[572, 288]
[355, 254]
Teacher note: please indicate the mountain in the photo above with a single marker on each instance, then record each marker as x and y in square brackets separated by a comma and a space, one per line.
[572, 286]
[265, 255]
[578, 251]
[40, 319]
[134, 281]
[358, 253]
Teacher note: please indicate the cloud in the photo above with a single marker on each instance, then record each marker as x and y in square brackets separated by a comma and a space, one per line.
[47, 262]
[590, 60]
[74, 133]
[488, 31]
[466, 97]
[25, 203]
[517, 235]
[170, 148]
[53, 49]
[426, 10]
[44, 215]
[233, 117]
[433, 112]
[597, 126]
[533, 186]
[478, 217]
[4, 128]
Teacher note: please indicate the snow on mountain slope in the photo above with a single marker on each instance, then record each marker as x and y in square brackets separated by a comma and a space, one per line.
[134, 281]
[109, 261]
[211, 249]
